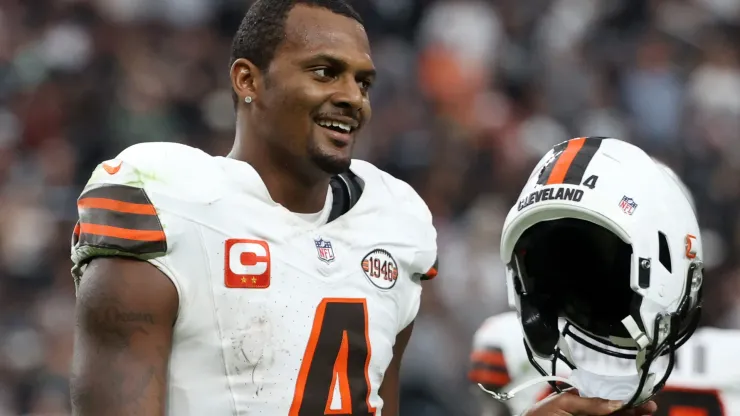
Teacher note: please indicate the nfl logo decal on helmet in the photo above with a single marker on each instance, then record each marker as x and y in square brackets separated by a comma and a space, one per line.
[324, 249]
[628, 205]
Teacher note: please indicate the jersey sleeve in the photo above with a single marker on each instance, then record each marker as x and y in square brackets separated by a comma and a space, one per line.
[117, 220]
[116, 217]
[496, 352]
[431, 273]
[426, 260]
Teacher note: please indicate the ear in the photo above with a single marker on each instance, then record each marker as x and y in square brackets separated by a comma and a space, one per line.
[245, 79]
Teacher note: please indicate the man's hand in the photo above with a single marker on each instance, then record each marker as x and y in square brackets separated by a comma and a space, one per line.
[569, 403]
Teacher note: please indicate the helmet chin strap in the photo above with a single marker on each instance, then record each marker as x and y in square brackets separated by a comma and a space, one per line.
[508, 395]
[589, 384]
[636, 333]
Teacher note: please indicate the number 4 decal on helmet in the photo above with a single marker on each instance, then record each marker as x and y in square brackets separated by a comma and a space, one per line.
[591, 181]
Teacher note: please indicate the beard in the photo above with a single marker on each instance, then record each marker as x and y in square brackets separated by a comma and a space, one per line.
[329, 163]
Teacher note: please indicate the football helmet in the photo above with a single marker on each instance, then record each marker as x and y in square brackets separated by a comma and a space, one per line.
[605, 238]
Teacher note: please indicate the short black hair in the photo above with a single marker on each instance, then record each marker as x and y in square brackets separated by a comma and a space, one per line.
[263, 27]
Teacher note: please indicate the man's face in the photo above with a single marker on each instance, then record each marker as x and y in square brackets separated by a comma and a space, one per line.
[316, 88]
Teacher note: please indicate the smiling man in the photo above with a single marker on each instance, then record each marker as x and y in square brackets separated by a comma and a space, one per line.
[283, 279]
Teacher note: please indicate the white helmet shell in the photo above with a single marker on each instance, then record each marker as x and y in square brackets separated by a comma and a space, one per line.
[617, 187]
[670, 172]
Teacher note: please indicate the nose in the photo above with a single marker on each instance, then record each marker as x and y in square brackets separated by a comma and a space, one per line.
[349, 95]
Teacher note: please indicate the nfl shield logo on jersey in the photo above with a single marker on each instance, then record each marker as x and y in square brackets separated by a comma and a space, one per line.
[326, 252]
[628, 205]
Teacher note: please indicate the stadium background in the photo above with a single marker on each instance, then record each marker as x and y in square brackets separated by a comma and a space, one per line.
[470, 94]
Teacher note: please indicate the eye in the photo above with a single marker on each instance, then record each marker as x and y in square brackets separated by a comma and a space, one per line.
[324, 74]
[365, 85]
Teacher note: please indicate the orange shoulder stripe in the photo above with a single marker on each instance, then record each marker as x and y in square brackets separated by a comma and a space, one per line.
[119, 206]
[124, 233]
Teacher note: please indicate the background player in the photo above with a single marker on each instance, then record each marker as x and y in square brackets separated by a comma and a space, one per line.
[263, 282]
[703, 381]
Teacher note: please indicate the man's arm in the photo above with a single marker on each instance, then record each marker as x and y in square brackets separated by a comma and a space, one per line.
[125, 314]
[390, 389]
[570, 403]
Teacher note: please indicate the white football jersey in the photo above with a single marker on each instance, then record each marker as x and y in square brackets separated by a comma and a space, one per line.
[277, 316]
[705, 380]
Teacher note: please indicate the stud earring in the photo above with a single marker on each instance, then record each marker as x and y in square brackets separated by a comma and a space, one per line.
[247, 99]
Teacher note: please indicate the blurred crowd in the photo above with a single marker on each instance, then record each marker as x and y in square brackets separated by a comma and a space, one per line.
[471, 93]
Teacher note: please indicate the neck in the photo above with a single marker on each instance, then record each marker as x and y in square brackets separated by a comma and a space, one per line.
[292, 184]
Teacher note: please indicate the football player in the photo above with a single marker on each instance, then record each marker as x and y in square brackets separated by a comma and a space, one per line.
[283, 279]
[704, 379]
[604, 267]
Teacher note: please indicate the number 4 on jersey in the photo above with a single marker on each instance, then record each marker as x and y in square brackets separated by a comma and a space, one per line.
[336, 361]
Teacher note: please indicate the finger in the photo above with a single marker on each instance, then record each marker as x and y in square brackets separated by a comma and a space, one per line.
[644, 410]
[592, 406]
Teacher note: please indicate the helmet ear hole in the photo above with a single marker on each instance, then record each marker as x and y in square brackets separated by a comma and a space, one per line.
[664, 255]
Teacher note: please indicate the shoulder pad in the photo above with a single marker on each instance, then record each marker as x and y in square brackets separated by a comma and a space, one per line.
[403, 195]
[409, 203]
[172, 169]
[116, 214]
